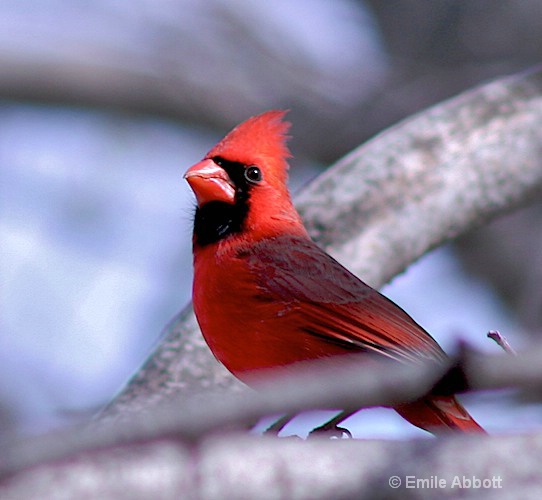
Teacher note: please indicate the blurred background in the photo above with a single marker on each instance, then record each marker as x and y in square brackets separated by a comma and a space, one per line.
[103, 106]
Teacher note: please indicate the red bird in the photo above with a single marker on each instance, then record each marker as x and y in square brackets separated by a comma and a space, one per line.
[265, 295]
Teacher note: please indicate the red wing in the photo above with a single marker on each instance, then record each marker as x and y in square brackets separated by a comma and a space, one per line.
[334, 305]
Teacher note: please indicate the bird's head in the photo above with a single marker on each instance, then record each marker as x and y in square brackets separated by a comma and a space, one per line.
[241, 184]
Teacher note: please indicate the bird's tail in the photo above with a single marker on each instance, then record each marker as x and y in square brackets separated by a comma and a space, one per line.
[438, 414]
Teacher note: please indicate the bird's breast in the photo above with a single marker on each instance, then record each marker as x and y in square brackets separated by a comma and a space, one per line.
[246, 327]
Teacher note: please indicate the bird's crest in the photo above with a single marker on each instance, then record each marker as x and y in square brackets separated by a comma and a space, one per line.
[260, 138]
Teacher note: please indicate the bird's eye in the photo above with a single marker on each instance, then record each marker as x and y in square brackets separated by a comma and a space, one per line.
[253, 174]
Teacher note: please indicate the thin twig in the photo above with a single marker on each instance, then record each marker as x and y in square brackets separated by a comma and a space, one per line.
[501, 341]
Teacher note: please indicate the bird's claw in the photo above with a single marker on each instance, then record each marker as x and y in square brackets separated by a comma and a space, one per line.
[331, 432]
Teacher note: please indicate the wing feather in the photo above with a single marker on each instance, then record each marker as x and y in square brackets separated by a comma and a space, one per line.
[334, 305]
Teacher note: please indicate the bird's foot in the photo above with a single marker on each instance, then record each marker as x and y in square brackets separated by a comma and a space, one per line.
[330, 431]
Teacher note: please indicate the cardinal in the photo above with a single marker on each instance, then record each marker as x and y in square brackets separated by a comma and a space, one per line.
[266, 296]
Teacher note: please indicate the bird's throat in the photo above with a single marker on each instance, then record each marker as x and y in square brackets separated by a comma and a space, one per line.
[215, 221]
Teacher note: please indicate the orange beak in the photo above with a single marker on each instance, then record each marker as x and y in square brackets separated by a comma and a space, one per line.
[210, 183]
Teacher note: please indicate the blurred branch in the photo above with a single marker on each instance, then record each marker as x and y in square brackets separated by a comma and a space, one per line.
[212, 63]
[413, 187]
[247, 467]
[179, 438]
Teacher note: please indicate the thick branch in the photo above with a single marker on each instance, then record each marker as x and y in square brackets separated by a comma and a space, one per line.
[430, 178]
[413, 187]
